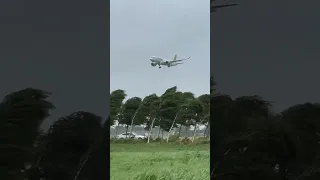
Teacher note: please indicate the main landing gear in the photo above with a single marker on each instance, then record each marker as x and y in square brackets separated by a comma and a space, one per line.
[159, 67]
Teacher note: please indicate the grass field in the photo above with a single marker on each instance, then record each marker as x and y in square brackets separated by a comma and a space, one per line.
[157, 161]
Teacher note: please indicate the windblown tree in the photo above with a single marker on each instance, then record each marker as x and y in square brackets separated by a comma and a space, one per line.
[162, 111]
[181, 101]
[95, 167]
[183, 116]
[167, 109]
[236, 118]
[166, 112]
[116, 102]
[21, 114]
[149, 111]
[303, 127]
[195, 111]
[130, 111]
[69, 142]
[255, 143]
[205, 115]
[157, 106]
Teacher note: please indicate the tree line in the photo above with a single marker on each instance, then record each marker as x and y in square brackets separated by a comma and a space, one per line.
[173, 109]
[250, 141]
[75, 147]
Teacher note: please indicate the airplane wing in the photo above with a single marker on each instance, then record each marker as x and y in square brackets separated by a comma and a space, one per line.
[178, 60]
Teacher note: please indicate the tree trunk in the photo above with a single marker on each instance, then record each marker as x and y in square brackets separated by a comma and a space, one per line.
[158, 136]
[179, 130]
[86, 157]
[145, 131]
[117, 128]
[161, 134]
[194, 132]
[131, 129]
[150, 129]
[217, 145]
[174, 121]
[205, 131]
[186, 131]
[134, 116]
[127, 130]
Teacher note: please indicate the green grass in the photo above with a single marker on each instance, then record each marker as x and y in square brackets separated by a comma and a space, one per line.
[157, 161]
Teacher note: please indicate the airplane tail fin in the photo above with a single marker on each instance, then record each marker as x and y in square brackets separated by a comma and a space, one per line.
[175, 57]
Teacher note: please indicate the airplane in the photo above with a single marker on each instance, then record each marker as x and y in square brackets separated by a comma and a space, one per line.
[213, 8]
[159, 61]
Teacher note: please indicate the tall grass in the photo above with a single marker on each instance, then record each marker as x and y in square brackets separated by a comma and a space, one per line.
[157, 161]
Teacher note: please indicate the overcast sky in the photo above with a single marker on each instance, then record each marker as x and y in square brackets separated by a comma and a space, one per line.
[57, 46]
[269, 48]
[141, 29]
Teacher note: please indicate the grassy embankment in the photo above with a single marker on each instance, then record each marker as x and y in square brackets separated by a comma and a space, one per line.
[159, 161]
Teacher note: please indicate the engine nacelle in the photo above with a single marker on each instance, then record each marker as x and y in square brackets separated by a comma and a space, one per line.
[153, 64]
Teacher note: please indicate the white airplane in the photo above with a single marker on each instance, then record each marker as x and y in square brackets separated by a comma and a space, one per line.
[159, 61]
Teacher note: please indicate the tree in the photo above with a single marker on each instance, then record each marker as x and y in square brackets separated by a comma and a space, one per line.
[205, 104]
[181, 116]
[194, 111]
[116, 99]
[303, 127]
[21, 114]
[158, 105]
[243, 121]
[148, 110]
[170, 108]
[95, 167]
[130, 111]
[179, 103]
[69, 141]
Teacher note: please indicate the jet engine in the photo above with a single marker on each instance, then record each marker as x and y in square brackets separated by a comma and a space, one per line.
[153, 64]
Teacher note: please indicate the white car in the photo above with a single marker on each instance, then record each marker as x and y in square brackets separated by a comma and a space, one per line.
[128, 135]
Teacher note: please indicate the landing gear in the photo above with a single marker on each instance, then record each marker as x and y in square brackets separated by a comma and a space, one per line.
[159, 67]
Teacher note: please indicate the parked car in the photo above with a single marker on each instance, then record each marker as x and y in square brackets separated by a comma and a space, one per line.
[128, 135]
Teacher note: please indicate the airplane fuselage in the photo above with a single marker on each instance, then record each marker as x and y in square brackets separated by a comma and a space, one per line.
[156, 59]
